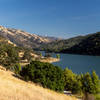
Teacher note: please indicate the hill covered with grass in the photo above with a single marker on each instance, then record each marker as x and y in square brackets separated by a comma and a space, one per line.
[12, 88]
[24, 39]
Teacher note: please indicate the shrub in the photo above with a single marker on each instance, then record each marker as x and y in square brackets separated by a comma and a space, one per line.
[58, 56]
[17, 69]
[8, 55]
[48, 75]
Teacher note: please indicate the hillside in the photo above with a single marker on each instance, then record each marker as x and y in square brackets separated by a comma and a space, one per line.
[22, 38]
[10, 54]
[12, 88]
[87, 45]
[6, 41]
[90, 45]
[58, 45]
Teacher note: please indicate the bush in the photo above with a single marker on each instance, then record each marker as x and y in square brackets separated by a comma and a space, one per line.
[8, 55]
[27, 55]
[17, 69]
[48, 75]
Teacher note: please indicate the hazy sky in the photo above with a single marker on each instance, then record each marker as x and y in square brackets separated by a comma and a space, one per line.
[59, 18]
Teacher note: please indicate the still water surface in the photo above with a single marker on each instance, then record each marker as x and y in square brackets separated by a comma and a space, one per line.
[78, 63]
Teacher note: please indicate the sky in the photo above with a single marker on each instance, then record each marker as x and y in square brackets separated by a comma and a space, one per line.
[58, 18]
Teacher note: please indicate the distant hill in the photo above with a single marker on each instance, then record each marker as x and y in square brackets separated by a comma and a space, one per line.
[87, 45]
[90, 45]
[22, 38]
[59, 45]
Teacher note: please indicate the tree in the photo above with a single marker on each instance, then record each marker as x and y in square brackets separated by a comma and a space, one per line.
[58, 56]
[17, 69]
[72, 81]
[27, 55]
[69, 77]
[77, 85]
[40, 54]
[95, 80]
[88, 86]
[8, 55]
[48, 75]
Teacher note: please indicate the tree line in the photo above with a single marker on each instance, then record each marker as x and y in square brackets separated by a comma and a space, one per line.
[57, 79]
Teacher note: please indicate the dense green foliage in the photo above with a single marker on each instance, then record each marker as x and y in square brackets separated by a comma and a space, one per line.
[72, 81]
[87, 83]
[97, 96]
[53, 77]
[48, 75]
[96, 82]
[90, 83]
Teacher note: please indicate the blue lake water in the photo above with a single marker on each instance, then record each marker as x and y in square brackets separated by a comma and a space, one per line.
[78, 63]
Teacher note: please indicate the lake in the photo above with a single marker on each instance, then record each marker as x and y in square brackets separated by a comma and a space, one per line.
[78, 63]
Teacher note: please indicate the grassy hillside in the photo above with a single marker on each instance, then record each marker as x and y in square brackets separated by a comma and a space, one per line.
[24, 39]
[12, 88]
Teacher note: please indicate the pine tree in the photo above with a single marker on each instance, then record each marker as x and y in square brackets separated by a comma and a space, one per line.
[95, 80]
[69, 77]
[88, 86]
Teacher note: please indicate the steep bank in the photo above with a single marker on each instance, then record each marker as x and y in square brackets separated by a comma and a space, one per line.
[12, 88]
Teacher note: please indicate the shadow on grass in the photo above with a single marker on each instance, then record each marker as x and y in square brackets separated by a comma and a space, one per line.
[19, 77]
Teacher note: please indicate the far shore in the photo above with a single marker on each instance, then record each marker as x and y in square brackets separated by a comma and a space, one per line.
[50, 59]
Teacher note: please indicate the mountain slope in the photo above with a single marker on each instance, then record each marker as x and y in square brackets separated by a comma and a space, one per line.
[22, 38]
[88, 45]
[60, 45]
[12, 88]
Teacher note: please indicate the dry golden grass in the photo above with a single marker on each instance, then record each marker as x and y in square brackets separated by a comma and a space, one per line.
[12, 88]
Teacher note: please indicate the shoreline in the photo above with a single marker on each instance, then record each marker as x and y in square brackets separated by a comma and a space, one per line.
[49, 59]
[44, 59]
